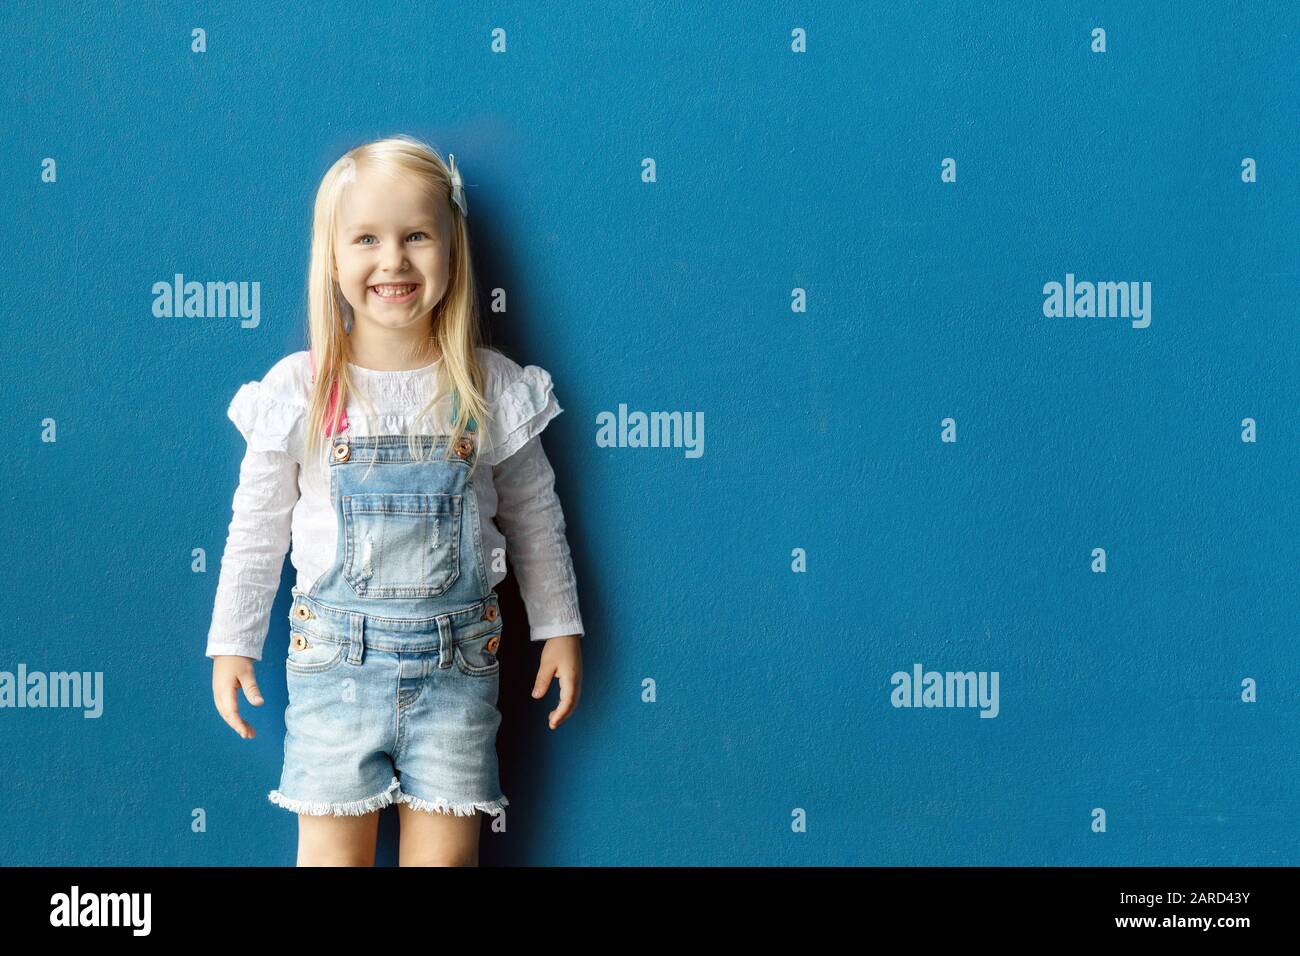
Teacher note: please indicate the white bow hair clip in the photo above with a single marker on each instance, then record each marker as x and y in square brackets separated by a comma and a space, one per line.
[457, 188]
[348, 172]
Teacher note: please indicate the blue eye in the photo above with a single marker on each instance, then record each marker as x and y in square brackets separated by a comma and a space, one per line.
[371, 236]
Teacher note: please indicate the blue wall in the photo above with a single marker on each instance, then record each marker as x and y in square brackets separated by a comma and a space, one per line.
[774, 171]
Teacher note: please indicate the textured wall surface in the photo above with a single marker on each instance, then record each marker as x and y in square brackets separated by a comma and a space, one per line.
[825, 228]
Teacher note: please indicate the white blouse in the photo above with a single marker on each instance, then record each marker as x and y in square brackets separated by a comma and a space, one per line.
[280, 499]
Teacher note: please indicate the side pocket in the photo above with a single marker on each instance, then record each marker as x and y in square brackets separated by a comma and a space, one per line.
[477, 656]
[309, 654]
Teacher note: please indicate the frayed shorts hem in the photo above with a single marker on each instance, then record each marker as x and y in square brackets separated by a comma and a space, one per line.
[314, 808]
[492, 807]
[391, 794]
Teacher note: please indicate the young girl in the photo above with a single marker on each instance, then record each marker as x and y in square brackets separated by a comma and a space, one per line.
[385, 451]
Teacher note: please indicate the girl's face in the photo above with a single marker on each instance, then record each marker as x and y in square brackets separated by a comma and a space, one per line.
[391, 252]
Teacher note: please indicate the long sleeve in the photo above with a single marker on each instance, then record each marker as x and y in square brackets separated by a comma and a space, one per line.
[257, 541]
[269, 416]
[530, 516]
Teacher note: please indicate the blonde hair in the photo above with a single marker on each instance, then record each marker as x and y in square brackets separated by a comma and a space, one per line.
[455, 327]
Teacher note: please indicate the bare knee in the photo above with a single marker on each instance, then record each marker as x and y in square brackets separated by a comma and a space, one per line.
[329, 858]
[440, 858]
[337, 840]
[437, 839]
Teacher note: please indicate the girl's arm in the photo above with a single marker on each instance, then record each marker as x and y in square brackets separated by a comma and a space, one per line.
[269, 415]
[257, 541]
[530, 516]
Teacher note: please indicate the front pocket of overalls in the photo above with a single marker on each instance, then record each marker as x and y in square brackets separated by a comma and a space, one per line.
[309, 654]
[401, 545]
[477, 656]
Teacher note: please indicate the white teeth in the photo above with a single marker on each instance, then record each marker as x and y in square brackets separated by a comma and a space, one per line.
[393, 291]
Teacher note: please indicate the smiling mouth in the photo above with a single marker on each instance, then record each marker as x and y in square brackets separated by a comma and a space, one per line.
[395, 290]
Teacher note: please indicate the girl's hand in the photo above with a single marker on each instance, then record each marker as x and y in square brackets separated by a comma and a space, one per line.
[561, 657]
[229, 672]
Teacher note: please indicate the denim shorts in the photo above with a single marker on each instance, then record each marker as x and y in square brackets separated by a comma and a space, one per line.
[391, 710]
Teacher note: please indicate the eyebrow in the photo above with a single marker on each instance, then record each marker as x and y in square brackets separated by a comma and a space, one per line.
[427, 224]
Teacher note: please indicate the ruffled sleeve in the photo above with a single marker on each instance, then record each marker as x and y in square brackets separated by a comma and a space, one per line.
[522, 400]
[269, 414]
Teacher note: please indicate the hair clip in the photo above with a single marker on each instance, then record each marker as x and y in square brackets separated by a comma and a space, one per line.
[458, 188]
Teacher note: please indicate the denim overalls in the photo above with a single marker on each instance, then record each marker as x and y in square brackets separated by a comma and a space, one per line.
[392, 670]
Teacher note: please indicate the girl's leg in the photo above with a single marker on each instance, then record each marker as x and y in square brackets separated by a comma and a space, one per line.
[437, 839]
[337, 840]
